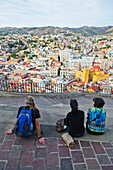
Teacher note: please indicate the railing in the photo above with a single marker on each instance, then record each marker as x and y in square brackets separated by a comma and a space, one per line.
[31, 87]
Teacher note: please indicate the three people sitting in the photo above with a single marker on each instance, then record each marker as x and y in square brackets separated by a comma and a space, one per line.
[74, 120]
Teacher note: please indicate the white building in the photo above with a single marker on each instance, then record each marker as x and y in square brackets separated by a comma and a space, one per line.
[85, 61]
[54, 71]
[64, 57]
[64, 72]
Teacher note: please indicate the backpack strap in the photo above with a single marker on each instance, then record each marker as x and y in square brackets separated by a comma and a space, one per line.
[97, 116]
[23, 108]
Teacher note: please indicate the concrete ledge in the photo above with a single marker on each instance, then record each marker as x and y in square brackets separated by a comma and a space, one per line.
[60, 95]
[50, 131]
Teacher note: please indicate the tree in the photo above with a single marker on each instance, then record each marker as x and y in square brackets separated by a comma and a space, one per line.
[31, 57]
[16, 42]
[78, 38]
[69, 46]
[105, 56]
[51, 40]
[20, 42]
[56, 38]
[11, 45]
[108, 46]
[19, 48]
[29, 41]
[26, 52]
[25, 48]
[96, 56]
[35, 41]
[44, 45]
[1, 38]
[34, 46]
[74, 40]
[14, 55]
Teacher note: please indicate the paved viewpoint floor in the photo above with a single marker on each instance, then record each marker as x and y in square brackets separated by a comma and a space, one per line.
[89, 152]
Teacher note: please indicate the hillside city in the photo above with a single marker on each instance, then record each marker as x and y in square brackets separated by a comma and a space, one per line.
[56, 63]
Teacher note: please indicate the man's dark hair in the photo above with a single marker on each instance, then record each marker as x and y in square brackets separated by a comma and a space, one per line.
[74, 104]
[98, 102]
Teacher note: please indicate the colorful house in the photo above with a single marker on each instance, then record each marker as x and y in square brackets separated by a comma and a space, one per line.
[94, 74]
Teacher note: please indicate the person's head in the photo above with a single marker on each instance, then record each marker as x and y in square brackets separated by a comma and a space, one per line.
[30, 101]
[74, 104]
[98, 102]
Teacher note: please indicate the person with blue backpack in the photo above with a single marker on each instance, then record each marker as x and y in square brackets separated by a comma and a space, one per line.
[27, 121]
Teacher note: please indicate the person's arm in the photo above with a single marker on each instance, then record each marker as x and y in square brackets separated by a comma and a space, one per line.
[66, 121]
[88, 114]
[103, 118]
[37, 128]
[11, 131]
[83, 118]
[14, 125]
[41, 140]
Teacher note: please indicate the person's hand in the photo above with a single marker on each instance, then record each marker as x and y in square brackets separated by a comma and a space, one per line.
[9, 132]
[42, 141]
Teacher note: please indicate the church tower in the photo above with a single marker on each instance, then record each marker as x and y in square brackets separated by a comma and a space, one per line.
[85, 75]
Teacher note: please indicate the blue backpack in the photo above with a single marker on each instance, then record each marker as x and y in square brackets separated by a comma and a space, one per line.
[23, 123]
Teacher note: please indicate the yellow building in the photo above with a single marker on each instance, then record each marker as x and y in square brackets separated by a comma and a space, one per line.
[85, 75]
[94, 74]
[82, 75]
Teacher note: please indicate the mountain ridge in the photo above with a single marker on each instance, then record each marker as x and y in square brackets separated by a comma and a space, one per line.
[84, 30]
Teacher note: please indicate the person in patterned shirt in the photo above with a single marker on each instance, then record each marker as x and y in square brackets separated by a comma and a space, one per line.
[96, 118]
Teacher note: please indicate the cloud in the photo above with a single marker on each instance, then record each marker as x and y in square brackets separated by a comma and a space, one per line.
[73, 13]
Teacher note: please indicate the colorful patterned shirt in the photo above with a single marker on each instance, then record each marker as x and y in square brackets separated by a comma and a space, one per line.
[99, 124]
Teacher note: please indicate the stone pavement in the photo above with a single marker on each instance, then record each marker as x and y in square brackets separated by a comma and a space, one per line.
[27, 154]
[90, 151]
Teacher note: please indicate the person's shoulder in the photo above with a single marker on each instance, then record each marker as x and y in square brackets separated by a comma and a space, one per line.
[35, 109]
[81, 111]
[103, 110]
[69, 113]
[21, 107]
[92, 108]
[36, 113]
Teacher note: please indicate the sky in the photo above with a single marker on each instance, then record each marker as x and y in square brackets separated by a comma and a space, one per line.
[61, 13]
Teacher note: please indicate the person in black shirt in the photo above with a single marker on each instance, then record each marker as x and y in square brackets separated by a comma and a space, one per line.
[75, 120]
[30, 104]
